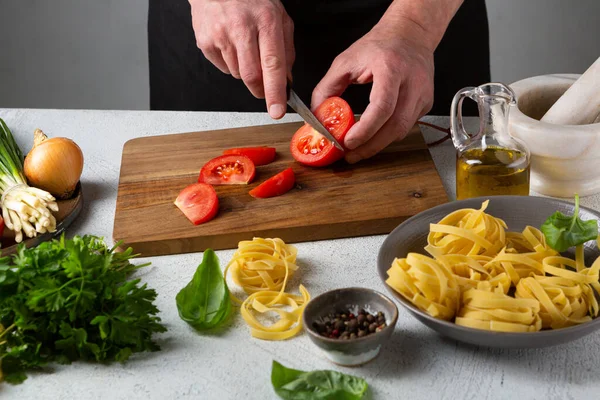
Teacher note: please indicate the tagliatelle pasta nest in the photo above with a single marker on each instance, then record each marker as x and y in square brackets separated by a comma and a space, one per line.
[481, 276]
[263, 264]
[262, 267]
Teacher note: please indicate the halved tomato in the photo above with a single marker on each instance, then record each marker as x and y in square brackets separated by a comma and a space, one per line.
[275, 185]
[259, 155]
[227, 170]
[310, 148]
[198, 202]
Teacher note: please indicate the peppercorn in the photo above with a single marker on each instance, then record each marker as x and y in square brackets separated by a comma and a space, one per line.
[346, 325]
[352, 325]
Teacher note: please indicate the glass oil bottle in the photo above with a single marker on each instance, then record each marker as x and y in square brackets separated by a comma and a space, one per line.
[491, 162]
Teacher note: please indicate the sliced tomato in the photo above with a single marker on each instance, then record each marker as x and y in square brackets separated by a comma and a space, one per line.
[227, 170]
[259, 155]
[310, 148]
[275, 185]
[198, 202]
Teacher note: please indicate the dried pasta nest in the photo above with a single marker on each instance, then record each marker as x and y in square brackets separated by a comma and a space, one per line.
[484, 277]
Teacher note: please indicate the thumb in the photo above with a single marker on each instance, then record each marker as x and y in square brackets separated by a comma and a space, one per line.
[335, 81]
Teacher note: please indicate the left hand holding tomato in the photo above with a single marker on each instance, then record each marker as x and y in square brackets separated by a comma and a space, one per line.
[401, 69]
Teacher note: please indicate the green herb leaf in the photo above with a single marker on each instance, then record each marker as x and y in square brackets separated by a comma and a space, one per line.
[562, 231]
[68, 300]
[292, 384]
[204, 303]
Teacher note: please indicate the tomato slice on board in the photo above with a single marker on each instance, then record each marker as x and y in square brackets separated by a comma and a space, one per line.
[227, 170]
[259, 155]
[275, 185]
[198, 202]
[310, 148]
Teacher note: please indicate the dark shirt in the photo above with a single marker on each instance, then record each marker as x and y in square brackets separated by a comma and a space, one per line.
[182, 79]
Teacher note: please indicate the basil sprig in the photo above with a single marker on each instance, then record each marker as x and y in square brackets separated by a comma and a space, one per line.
[563, 231]
[204, 303]
[292, 384]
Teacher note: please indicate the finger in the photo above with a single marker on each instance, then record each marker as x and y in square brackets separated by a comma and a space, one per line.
[335, 81]
[215, 57]
[230, 58]
[382, 104]
[288, 42]
[272, 59]
[249, 64]
[397, 127]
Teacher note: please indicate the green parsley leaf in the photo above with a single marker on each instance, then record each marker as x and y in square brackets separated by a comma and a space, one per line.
[69, 300]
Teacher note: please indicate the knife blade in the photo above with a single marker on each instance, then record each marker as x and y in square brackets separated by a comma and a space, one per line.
[298, 105]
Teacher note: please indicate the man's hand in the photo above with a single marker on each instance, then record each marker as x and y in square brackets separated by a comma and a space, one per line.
[402, 76]
[252, 40]
[397, 56]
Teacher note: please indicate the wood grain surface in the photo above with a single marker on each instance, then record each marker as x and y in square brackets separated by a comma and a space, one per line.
[371, 197]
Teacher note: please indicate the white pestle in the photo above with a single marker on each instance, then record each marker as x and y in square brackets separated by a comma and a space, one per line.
[580, 104]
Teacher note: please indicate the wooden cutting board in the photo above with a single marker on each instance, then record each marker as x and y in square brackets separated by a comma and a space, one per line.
[371, 197]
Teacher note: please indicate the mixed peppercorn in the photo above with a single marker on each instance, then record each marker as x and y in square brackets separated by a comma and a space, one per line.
[345, 325]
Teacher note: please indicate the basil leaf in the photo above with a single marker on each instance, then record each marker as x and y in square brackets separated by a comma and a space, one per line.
[292, 384]
[562, 231]
[204, 303]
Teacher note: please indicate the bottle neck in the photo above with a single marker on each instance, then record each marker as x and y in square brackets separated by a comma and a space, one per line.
[493, 121]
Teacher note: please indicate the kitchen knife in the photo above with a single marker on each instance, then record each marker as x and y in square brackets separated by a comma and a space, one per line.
[296, 103]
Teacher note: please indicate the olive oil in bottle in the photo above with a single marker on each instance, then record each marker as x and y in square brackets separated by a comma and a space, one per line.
[491, 171]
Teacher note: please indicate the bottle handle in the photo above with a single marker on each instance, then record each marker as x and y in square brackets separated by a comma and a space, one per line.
[460, 137]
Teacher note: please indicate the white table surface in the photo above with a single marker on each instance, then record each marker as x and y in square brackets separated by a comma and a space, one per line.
[416, 364]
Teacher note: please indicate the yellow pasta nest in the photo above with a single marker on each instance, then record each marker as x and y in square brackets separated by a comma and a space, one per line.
[493, 311]
[468, 232]
[426, 283]
[263, 264]
[470, 271]
[262, 267]
[484, 277]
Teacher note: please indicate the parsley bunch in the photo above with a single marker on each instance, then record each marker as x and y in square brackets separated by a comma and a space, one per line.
[68, 300]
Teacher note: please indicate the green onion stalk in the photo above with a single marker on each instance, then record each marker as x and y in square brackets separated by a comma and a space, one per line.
[25, 209]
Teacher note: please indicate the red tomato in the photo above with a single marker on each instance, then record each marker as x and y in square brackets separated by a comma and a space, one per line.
[198, 202]
[275, 185]
[310, 148]
[227, 170]
[259, 155]
[1, 226]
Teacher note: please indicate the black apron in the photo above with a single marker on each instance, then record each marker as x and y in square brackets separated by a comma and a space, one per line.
[182, 79]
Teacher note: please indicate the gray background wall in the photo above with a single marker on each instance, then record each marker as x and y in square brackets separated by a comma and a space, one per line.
[93, 53]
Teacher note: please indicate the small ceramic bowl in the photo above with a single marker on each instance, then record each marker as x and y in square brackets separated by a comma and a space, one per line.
[355, 351]
[564, 158]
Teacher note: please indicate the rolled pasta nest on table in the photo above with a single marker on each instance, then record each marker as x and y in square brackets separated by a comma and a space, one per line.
[262, 268]
[481, 276]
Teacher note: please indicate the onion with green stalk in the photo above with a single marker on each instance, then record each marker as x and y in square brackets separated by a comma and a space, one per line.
[25, 209]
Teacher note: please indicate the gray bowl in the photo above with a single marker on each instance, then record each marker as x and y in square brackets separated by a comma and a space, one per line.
[356, 351]
[517, 212]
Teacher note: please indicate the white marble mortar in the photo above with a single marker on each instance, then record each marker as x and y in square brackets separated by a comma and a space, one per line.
[565, 159]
